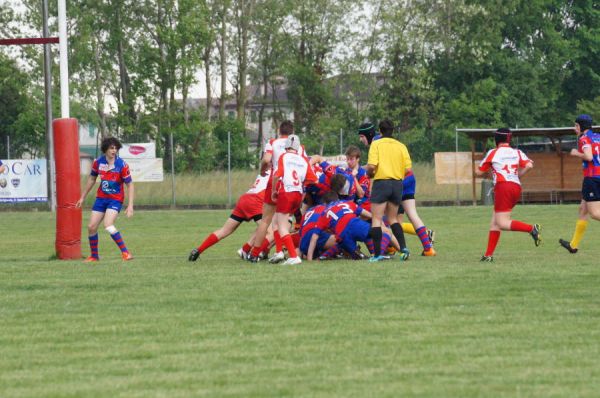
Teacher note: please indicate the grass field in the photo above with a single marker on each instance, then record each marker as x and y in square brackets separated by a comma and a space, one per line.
[525, 325]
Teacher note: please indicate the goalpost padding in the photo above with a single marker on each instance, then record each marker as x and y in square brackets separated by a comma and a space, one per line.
[68, 188]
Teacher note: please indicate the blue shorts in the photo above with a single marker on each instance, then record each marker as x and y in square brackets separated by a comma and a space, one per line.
[103, 204]
[305, 242]
[357, 230]
[409, 187]
[590, 190]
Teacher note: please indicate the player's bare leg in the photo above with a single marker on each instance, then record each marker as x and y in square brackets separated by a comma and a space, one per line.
[261, 231]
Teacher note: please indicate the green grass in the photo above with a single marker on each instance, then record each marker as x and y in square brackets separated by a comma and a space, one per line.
[525, 325]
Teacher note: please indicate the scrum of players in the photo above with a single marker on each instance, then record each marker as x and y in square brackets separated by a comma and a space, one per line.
[311, 209]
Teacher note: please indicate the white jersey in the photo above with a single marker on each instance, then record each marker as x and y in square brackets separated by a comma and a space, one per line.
[260, 184]
[276, 147]
[505, 163]
[293, 171]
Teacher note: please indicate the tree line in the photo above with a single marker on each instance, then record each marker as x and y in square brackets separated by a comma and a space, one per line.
[431, 66]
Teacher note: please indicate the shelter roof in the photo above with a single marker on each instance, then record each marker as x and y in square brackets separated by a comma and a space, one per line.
[550, 132]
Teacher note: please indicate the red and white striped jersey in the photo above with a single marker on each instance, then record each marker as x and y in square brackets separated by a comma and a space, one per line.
[505, 163]
[294, 171]
[260, 184]
[276, 146]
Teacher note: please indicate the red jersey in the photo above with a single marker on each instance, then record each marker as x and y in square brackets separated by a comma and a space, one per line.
[589, 139]
[504, 162]
[111, 179]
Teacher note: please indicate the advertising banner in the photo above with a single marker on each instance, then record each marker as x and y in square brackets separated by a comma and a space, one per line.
[24, 180]
[146, 170]
[454, 168]
[145, 150]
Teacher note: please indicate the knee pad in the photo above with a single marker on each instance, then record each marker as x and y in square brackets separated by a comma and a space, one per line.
[111, 229]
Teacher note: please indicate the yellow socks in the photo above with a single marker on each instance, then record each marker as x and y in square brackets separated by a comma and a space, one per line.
[408, 228]
[580, 227]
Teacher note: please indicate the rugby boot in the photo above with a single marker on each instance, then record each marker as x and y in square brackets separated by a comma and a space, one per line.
[567, 245]
[535, 234]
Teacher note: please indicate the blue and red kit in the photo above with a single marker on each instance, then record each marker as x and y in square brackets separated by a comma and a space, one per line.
[590, 139]
[309, 226]
[111, 179]
[338, 215]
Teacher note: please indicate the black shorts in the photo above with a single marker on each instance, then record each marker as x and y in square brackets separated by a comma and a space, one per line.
[590, 191]
[239, 219]
[387, 191]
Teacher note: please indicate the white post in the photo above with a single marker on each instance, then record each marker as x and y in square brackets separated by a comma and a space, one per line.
[173, 198]
[63, 56]
[229, 169]
[456, 165]
[48, 94]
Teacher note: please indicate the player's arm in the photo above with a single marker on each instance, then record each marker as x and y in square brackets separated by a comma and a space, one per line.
[130, 197]
[586, 155]
[312, 246]
[525, 170]
[265, 163]
[88, 187]
[2, 168]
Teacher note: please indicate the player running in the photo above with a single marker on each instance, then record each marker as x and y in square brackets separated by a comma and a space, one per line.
[248, 207]
[507, 165]
[114, 173]
[588, 150]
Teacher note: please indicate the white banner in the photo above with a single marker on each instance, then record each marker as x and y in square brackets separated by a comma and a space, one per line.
[138, 151]
[146, 170]
[24, 180]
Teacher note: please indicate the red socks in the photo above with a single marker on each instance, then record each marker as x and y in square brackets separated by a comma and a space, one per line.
[278, 242]
[493, 238]
[208, 242]
[520, 226]
[289, 244]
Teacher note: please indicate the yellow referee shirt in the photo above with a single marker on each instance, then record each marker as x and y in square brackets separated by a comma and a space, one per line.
[390, 158]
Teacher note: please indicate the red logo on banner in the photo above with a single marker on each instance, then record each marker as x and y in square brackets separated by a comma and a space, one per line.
[136, 149]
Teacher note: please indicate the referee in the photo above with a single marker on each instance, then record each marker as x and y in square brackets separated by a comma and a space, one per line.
[388, 160]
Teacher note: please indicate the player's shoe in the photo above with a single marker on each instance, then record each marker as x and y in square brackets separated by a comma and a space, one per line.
[262, 256]
[429, 252]
[253, 259]
[535, 234]
[403, 254]
[376, 259]
[277, 258]
[567, 245]
[194, 254]
[243, 255]
[126, 256]
[293, 261]
[487, 259]
[431, 234]
[91, 259]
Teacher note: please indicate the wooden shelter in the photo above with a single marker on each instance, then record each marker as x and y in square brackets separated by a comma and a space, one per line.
[556, 176]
